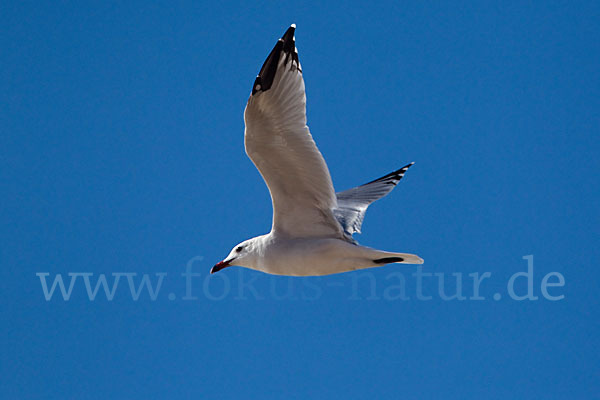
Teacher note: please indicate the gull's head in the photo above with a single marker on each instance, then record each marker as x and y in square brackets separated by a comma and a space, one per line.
[242, 255]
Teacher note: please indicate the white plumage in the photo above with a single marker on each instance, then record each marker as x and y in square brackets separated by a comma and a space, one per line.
[312, 226]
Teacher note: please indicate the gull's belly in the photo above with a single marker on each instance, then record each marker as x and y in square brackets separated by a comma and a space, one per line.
[310, 257]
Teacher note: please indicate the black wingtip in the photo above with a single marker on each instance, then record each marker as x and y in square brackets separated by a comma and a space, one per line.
[287, 45]
[393, 177]
[288, 36]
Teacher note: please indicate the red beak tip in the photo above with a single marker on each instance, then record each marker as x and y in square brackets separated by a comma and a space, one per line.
[218, 266]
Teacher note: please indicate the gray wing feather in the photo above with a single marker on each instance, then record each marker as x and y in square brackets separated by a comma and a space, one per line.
[353, 203]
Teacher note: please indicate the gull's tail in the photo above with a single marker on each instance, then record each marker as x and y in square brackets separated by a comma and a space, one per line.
[385, 257]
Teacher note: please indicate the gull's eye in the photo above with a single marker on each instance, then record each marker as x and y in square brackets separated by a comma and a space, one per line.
[239, 248]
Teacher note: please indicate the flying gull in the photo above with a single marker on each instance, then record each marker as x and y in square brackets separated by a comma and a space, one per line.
[312, 224]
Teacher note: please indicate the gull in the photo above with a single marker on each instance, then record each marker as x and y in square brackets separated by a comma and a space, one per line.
[313, 225]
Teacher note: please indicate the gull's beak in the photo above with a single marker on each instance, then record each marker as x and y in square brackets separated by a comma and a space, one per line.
[220, 265]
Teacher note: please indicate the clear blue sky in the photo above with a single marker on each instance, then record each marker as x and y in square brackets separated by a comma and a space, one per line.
[121, 150]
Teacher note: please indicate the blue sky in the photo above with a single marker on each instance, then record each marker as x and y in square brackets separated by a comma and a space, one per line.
[121, 151]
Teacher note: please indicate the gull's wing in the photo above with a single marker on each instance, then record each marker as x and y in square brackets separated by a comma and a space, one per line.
[353, 203]
[280, 145]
